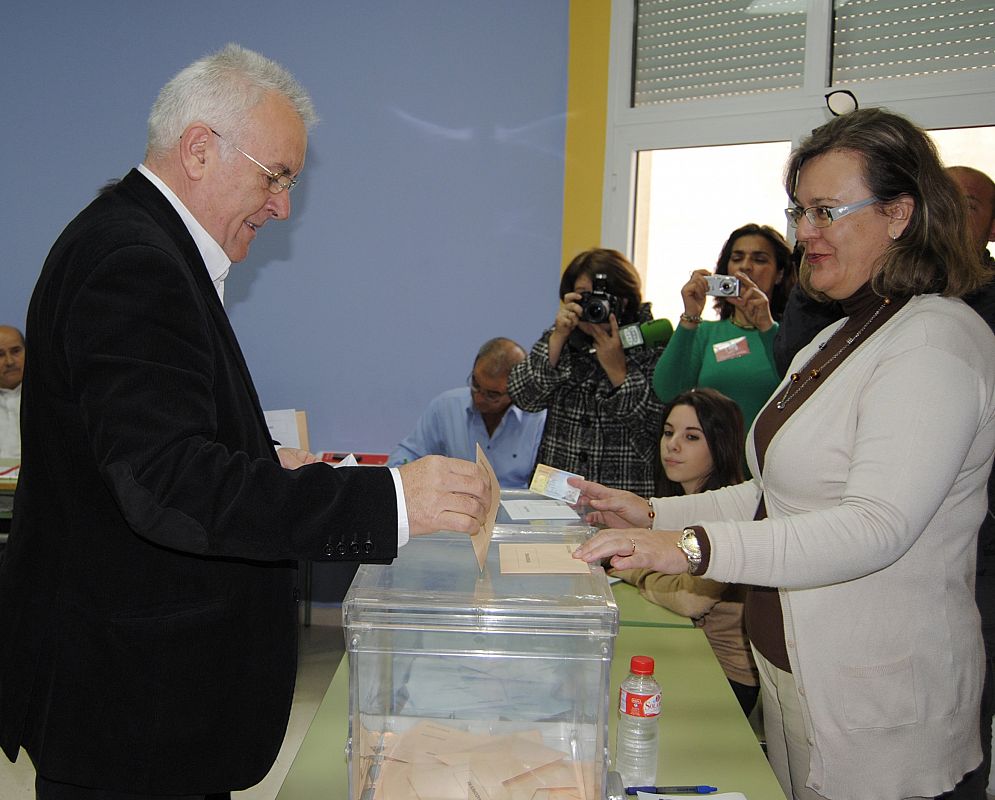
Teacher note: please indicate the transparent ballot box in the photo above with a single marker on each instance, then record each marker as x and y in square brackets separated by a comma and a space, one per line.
[468, 684]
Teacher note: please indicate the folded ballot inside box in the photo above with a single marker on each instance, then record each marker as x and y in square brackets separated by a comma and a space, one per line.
[465, 683]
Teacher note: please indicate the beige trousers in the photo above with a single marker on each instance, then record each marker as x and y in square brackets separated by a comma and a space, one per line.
[787, 745]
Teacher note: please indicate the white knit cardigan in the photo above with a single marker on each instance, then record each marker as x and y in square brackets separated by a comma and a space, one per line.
[875, 488]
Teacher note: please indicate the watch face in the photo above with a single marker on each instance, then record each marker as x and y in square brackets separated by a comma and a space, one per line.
[689, 544]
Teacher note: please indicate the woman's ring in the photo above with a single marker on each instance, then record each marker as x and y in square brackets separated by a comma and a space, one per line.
[633, 548]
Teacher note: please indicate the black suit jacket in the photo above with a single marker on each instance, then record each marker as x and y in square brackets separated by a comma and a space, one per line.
[147, 594]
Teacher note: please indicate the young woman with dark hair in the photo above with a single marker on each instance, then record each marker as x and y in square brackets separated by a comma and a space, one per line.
[702, 449]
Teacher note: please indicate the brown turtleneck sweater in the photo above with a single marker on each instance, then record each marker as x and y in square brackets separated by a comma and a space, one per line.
[764, 620]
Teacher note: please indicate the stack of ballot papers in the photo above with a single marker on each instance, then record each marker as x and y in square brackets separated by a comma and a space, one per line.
[434, 761]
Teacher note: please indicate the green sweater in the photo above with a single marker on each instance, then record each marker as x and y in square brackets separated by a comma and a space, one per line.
[689, 361]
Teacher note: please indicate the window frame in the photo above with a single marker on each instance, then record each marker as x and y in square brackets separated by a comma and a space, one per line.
[940, 101]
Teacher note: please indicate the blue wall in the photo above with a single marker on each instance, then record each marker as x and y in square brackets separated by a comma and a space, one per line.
[428, 218]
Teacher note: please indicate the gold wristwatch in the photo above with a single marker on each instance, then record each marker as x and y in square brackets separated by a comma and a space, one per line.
[688, 543]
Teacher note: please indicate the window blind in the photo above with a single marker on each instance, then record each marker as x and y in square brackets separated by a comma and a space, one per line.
[686, 50]
[875, 39]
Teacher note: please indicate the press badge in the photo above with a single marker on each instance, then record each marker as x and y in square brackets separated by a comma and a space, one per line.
[733, 348]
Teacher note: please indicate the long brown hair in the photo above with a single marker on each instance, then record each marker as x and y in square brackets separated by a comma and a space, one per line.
[722, 424]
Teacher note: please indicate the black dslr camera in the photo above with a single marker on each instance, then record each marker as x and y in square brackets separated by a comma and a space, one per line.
[598, 305]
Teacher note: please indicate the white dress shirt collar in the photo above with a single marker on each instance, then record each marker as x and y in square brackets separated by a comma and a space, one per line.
[214, 256]
[10, 413]
[15, 392]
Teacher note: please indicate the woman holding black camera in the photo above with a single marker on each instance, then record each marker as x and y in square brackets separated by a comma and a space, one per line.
[603, 418]
[734, 354]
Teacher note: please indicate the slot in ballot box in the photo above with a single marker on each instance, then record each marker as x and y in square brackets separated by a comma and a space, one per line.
[464, 682]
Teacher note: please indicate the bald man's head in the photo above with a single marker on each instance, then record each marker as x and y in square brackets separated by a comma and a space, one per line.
[979, 190]
[489, 379]
[11, 357]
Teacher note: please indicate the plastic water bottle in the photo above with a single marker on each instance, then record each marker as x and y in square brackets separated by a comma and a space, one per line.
[636, 745]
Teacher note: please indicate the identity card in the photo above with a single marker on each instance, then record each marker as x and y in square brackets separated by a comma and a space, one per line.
[552, 482]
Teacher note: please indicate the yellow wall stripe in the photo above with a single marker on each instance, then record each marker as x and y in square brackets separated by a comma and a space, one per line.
[587, 109]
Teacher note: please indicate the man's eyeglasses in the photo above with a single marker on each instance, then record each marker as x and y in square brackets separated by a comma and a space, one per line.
[278, 181]
[487, 394]
[824, 216]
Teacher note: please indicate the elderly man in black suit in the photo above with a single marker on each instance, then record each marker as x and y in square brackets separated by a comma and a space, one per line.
[148, 592]
[11, 374]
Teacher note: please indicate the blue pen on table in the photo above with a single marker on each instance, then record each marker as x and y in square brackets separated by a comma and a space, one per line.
[672, 789]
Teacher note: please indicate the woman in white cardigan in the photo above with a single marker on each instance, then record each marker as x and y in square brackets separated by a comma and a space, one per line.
[871, 462]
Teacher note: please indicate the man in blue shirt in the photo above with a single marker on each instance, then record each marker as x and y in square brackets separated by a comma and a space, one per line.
[481, 412]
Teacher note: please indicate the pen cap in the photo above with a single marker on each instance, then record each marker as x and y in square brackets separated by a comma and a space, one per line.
[642, 665]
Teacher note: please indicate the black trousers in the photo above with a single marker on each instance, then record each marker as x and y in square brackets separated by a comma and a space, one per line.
[747, 695]
[972, 786]
[53, 790]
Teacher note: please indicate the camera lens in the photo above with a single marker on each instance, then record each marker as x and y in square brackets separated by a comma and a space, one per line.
[597, 311]
[727, 286]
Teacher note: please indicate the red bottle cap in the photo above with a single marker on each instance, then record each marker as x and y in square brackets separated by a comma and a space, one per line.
[642, 665]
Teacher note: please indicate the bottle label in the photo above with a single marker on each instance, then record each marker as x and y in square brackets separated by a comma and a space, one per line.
[639, 705]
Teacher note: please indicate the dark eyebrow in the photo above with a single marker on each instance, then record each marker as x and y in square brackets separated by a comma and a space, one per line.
[689, 428]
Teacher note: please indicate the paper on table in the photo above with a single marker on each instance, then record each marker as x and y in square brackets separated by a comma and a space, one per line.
[539, 559]
[539, 509]
[282, 425]
[483, 538]
[720, 796]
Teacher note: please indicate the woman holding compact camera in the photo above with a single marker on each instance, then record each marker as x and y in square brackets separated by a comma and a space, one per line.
[603, 419]
[734, 354]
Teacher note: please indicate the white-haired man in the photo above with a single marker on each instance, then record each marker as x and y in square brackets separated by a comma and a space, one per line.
[147, 594]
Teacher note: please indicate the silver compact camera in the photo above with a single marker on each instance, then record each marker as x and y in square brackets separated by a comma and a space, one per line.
[722, 286]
